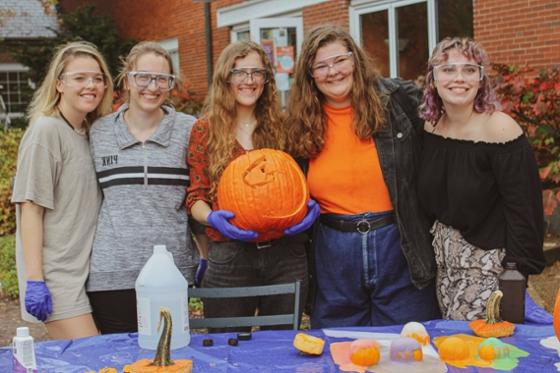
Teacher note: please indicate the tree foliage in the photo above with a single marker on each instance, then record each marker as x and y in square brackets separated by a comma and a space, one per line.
[82, 24]
[533, 100]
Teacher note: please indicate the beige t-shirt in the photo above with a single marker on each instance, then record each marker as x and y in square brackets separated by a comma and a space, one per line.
[55, 170]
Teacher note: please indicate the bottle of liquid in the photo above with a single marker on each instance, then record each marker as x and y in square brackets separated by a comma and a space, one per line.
[161, 284]
[513, 284]
[23, 359]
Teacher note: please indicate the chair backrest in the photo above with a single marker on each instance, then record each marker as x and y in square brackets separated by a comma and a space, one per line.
[250, 291]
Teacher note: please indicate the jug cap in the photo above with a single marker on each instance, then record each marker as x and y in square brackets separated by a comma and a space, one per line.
[160, 249]
[22, 331]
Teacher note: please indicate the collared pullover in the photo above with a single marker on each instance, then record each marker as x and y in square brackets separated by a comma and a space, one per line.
[144, 189]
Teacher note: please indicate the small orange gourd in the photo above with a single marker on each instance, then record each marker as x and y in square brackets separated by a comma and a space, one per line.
[492, 325]
[266, 191]
[364, 352]
[309, 344]
[162, 362]
[556, 315]
[453, 348]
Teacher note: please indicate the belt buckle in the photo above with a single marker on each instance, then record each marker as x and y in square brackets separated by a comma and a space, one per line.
[365, 224]
[263, 244]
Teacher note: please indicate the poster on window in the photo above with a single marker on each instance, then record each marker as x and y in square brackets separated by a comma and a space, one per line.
[285, 59]
[268, 47]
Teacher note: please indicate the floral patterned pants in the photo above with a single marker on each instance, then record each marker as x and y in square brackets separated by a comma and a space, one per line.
[466, 274]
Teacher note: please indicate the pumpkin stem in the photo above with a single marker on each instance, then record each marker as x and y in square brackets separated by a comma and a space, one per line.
[163, 355]
[493, 307]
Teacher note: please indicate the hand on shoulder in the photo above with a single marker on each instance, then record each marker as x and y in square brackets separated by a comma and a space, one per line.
[501, 128]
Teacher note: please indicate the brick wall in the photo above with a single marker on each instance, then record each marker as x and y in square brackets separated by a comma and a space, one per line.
[148, 20]
[333, 12]
[519, 31]
[512, 31]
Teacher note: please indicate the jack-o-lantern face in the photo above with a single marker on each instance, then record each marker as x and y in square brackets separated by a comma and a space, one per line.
[266, 191]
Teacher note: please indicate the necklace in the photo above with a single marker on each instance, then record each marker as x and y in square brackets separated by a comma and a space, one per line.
[247, 126]
[79, 131]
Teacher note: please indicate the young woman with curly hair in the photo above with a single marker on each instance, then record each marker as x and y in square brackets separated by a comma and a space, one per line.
[358, 137]
[241, 114]
[478, 180]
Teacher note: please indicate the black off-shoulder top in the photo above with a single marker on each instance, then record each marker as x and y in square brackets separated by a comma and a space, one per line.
[490, 192]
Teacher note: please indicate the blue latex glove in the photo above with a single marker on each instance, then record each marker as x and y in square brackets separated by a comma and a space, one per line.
[200, 270]
[313, 212]
[219, 220]
[38, 300]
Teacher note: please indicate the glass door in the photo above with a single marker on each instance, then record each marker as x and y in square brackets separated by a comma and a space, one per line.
[281, 39]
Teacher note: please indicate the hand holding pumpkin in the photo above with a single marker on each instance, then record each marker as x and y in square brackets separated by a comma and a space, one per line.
[219, 220]
[313, 212]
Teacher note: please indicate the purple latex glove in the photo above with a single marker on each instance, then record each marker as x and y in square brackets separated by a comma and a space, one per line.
[313, 212]
[202, 265]
[219, 220]
[38, 300]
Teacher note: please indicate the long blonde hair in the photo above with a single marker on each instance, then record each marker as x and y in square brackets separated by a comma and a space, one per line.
[220, 110]
[306, 122]
[129, 62]
[46, 97]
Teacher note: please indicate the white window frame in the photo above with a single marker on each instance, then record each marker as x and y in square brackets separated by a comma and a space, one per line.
[277, 22]
[248, 10]
[360, 7]
[12, 68]
[233, 35]
[172, 47]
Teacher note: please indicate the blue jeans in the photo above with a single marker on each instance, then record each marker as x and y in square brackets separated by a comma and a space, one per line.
[363, 279]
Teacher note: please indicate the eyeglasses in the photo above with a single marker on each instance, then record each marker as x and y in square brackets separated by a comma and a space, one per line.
[341, 63]
[450, 71]
[80, 79]
[238, 76]
[142, 79]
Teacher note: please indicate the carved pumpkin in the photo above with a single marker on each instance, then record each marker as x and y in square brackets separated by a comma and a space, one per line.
[266, 191]
[492, 325]
[364, 352]
[556, 315]
[162, 363]
[309, 344]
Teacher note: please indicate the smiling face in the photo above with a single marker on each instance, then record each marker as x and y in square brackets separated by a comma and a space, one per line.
[459, 88]
[150, 98]
[336, 85]
[79, 85]
[247, 91]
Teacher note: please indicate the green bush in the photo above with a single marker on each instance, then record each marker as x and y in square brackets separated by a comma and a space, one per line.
[9, 142]
[8, 275]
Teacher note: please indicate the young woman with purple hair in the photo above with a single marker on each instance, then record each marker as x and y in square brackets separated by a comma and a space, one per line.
[478, 180]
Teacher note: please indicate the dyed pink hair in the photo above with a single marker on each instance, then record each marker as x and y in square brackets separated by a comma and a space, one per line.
[432, 107]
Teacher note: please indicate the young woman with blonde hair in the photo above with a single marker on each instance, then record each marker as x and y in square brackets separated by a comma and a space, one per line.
[241, 114]
[56, 192]
[358, 136]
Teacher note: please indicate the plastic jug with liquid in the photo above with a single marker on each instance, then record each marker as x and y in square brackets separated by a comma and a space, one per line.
[161, 284]
[513, 284]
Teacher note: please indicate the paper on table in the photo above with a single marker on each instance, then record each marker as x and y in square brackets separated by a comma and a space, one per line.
[552, 343]
[340, 353]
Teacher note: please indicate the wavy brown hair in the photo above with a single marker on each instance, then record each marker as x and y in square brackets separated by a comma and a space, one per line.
[220, 109]
[306, 121]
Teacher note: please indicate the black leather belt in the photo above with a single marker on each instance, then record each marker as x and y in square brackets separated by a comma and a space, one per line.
[361, 226]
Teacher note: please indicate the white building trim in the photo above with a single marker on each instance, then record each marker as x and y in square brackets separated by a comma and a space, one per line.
[244, 12]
